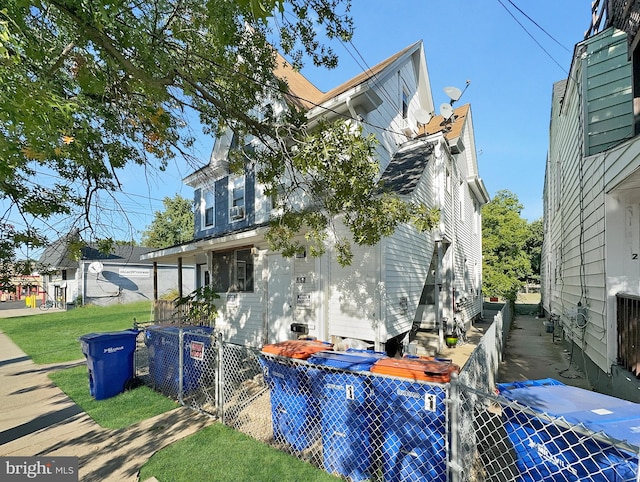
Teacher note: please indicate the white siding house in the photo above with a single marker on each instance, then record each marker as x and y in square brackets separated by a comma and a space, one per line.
[409, 278]
[590, 259]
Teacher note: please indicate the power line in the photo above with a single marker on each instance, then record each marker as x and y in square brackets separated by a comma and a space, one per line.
[538, 25]
[531, 35]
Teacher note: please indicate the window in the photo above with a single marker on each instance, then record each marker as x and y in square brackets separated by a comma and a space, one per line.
[405, 104]
[461, 195]
[236, 203]
[208, 208]
[233, 271]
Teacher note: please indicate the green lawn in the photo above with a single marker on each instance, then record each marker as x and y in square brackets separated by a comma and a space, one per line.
[117, 412]
[215, 453]
[52, 337]
[219, 453]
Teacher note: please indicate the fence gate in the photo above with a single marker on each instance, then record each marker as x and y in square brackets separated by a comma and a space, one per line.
[181, 363]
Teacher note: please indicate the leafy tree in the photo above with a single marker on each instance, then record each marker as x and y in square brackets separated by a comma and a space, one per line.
[173, 226]
[533, 247]
[505, 234]
[87, 88]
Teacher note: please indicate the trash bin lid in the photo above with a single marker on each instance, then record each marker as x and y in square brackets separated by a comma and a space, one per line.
[357, 360]
[300, 349]
[91, 337]
[416, 369]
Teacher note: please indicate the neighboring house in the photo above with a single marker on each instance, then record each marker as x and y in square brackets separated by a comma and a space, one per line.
[591, 252]
[409, 278]
[103, 279]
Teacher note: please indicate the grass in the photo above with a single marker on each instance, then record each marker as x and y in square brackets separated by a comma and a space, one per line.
[220, 453]
[117, 412]
[52, 337]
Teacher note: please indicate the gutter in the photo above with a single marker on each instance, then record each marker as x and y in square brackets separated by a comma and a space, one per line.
[476, 185]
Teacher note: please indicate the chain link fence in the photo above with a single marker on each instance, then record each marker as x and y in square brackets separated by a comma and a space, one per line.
[366, 426]
[182, 363]
[502, 440]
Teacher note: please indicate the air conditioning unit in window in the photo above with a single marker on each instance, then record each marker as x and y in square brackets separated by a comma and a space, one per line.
[237, 212]
[408, 127]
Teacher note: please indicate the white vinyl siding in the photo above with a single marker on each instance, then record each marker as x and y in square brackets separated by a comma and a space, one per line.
[354, 295]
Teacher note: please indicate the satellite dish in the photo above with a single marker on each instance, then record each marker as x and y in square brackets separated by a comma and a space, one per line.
[422, 116]
[453, 92]
[96, 267]
[446, 110]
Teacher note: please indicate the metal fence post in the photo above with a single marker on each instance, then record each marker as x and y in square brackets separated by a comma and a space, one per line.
[220, 374]
[453, 406]
[180, 366]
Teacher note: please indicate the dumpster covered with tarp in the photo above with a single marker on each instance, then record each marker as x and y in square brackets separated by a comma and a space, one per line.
[565, 433]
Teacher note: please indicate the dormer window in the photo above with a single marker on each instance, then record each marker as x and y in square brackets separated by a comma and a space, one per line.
[236, 201]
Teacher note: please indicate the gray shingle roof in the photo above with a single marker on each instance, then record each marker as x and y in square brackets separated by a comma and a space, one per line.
[58, 255]
[406, 167]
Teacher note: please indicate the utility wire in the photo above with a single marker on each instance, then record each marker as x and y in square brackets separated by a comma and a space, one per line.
[538, 25]
[532, 37]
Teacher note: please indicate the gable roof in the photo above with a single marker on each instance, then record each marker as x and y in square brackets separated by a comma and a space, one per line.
[305, 94]
[366, 75]
[406, 167]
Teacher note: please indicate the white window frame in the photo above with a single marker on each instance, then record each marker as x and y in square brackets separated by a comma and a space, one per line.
[237, 202]
[208, 202]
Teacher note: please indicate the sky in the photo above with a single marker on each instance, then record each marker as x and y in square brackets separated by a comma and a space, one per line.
[512, 64]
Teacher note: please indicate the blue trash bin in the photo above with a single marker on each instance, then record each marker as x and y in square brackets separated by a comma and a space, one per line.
[412, 405]
[163, 342]
[348, 411]
[294, 405]
[548, 451]
[110, 361]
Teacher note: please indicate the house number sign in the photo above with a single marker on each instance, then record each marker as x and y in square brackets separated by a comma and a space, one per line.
[301, 279]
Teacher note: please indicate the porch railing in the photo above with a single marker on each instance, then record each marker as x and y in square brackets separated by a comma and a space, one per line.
[165, 311]
[628, 320]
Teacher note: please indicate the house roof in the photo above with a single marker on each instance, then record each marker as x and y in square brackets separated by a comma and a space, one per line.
[58, 254]
[120, 253]
[407, 166]
[305, 94]
[451, 130]
[366, 75]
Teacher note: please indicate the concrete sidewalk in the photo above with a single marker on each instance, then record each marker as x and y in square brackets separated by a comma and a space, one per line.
[534, 354]
[38, 419]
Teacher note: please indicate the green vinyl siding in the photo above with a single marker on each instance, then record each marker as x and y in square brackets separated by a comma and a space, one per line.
[609, 93]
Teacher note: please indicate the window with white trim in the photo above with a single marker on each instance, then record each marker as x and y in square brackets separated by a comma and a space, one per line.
[405, 104]
[236, 198]
[207, 208]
